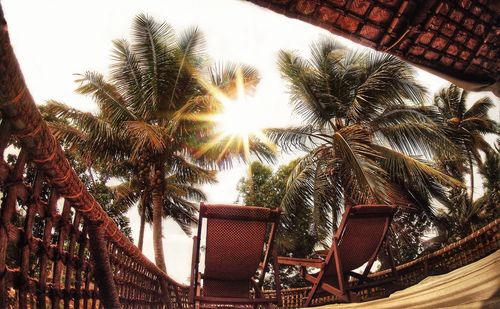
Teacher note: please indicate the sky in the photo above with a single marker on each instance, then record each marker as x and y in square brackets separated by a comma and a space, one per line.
[55, 39]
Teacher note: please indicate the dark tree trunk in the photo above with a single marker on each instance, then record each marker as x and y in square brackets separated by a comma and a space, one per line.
[471, 180]
[142, 206]
[157, 182]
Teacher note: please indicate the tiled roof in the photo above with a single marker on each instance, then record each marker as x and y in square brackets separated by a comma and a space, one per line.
[459, 38]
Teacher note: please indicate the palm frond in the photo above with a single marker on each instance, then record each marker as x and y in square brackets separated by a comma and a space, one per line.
[187, 172]
[72, 137]
[385, 81]
[127, 75]
[190, 47]
[451, 102]
[413, 133]
[224, 77]
[125, 195]
[184, 190]
[101, 137]
[153, 44]
[408, 169]
[480, 108]
[145, 137]
[182, 212]
[480, 124]
[315, 107]
[111, 103]
[296, 138]
[353, 148]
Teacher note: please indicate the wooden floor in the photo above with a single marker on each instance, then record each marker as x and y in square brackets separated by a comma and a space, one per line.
[473, 286]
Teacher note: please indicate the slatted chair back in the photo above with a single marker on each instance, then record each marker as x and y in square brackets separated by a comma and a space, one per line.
[360, 235]
[358, 240]
[236, 252]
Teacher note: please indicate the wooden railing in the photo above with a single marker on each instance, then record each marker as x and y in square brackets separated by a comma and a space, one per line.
[58, 247]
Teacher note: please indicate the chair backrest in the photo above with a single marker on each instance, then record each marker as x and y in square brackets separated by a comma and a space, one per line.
[235, 246]
[362, 230]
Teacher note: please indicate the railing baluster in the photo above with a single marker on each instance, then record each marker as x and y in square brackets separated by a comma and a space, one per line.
[7, 211]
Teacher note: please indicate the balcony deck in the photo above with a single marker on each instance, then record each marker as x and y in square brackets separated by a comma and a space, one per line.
[476, 285]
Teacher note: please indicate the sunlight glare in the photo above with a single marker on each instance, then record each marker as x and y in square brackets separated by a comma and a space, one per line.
[239, 121]
[239, 118]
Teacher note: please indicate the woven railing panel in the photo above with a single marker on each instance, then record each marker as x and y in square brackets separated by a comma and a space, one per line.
[45, 213]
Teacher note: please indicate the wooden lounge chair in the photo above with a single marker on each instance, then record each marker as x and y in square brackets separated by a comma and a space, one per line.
[236, 256]
[358, 239]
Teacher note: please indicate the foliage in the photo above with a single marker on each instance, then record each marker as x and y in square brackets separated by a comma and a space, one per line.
[263, 187]
[365, 141]
[151, 128]
[466, 128]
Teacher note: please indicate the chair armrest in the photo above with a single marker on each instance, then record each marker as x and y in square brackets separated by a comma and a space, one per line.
[318, 263]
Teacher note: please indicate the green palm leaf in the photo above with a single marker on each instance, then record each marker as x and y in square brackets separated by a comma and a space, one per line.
[106, 96]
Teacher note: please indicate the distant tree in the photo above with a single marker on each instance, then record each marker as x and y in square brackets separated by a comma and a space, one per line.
[263, 187]
[490, 172]
[466, 128]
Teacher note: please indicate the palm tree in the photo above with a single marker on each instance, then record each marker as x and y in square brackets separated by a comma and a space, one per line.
[466, 128]
[364, 142]
[465, 216]
[490, 172]
[181, 188]
[147, 127]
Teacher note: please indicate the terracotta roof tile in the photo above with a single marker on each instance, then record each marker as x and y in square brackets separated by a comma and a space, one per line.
[455, 38]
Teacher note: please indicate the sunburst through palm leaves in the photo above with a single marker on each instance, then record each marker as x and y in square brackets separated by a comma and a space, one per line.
[237, 121]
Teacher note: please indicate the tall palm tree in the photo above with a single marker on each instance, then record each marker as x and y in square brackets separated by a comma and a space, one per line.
[490, 172]
[364, 142]
[466, 128]
[181, 188]
[147, 123]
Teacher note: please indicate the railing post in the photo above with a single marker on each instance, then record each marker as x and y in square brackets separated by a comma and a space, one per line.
[165, 290]
[8, 208]
[103, 273]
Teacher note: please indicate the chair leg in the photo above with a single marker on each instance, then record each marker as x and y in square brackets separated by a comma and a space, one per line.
[391, 261]
[311, 294]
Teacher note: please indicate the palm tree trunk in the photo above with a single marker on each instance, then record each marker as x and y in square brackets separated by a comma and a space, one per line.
[157, 219]
[142, 205]
[157, 181]
[471, 180]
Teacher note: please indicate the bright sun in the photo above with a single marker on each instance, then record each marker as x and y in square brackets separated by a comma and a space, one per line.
[239, 122]
[239, 118]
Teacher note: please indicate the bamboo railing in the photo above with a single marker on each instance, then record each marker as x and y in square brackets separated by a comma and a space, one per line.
[57, 244]
[59, 248]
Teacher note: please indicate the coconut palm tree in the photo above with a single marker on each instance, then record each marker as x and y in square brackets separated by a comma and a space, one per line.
[490, 172]
[148, 125]
[465, 216]
[181, 188]
[364, 141]
[466, 127]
